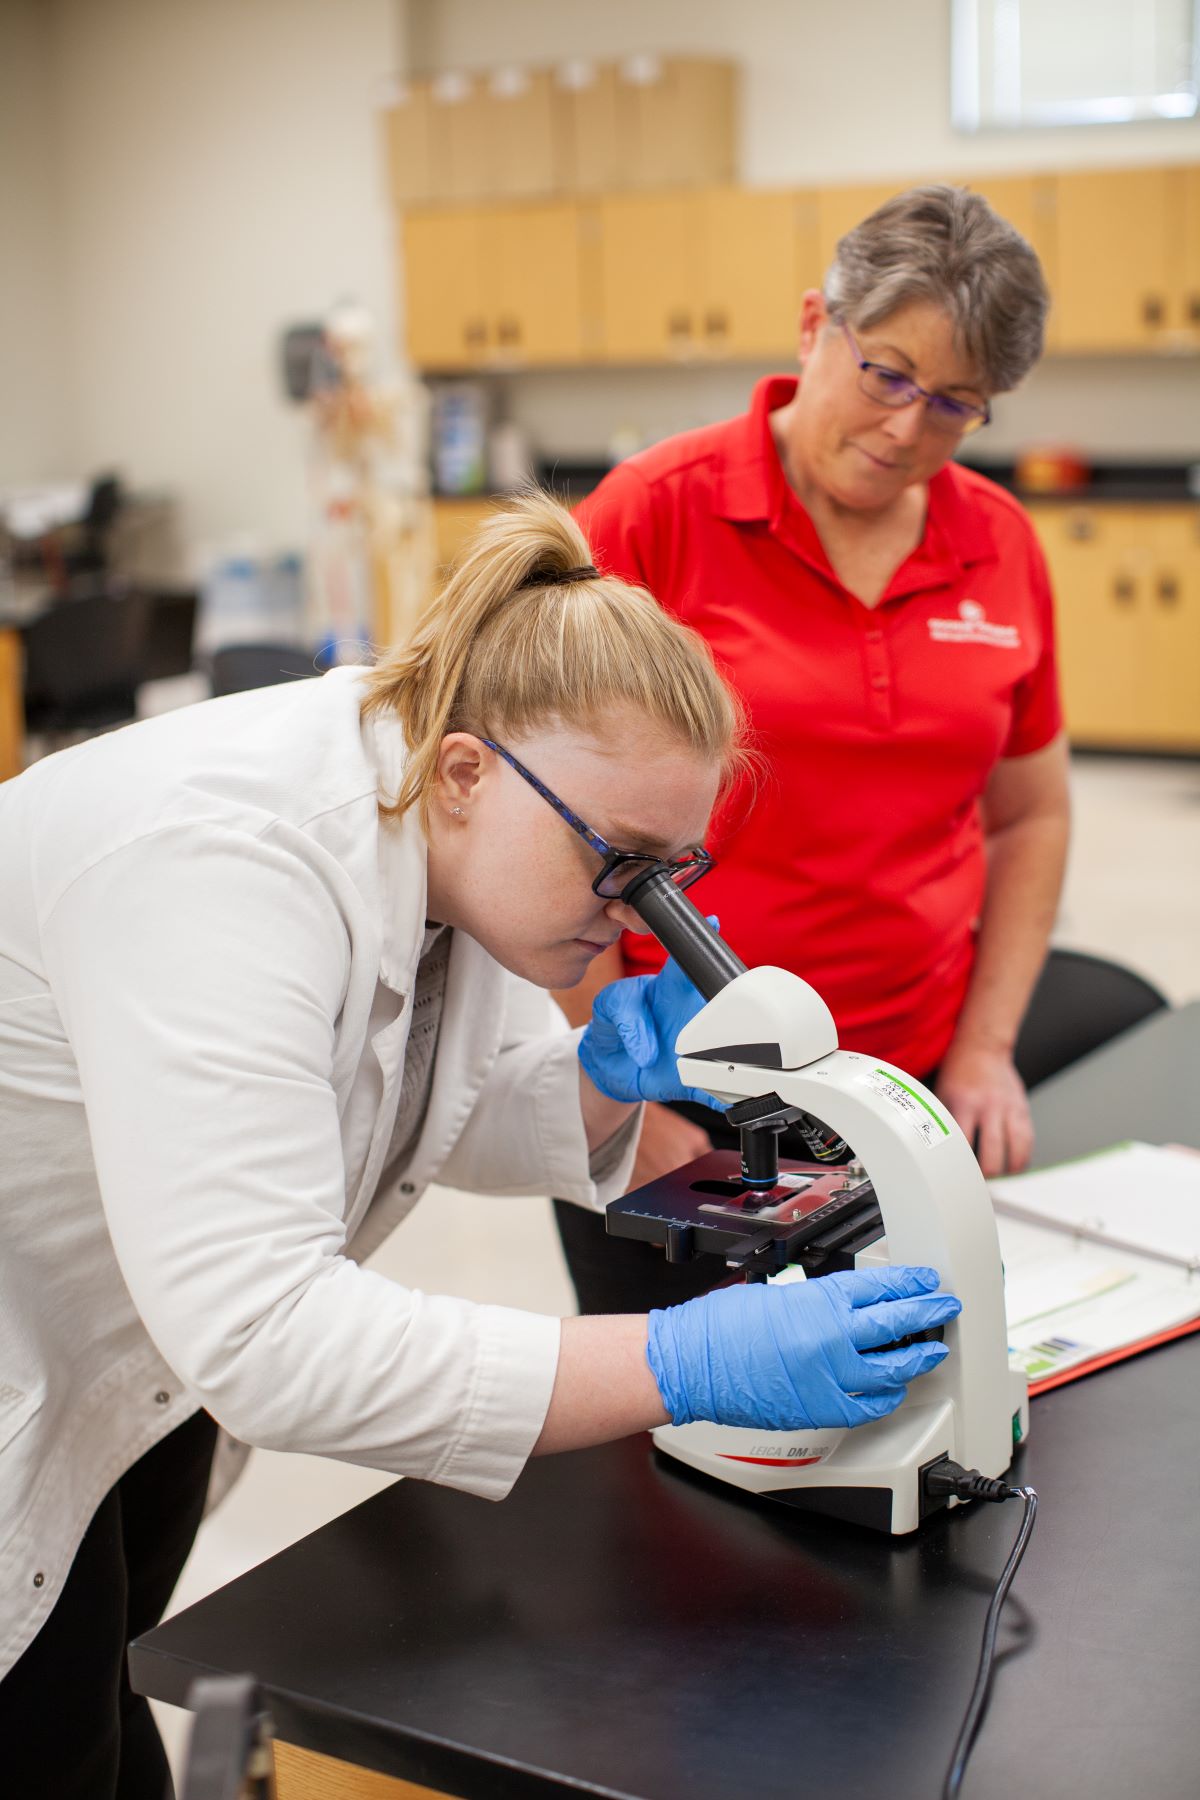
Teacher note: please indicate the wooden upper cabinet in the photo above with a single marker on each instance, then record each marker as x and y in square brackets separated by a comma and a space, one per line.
[839, 210]
[1119, 277]
[532, 275]
[1120, 248]
[496, 288]
[442, 281]
[652, 274]
[710, 274]
[718, 272]
[750, 282]
[1026, 201]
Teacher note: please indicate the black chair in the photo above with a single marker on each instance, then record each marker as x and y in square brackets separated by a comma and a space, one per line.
[84, 659]
[1079, 1003]
[91, 555]
[172, 628]
[241, 666]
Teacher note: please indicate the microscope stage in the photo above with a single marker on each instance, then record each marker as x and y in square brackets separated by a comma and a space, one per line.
[813, 1213]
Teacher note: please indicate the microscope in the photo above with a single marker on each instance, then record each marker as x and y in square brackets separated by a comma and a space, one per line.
[766, 1045]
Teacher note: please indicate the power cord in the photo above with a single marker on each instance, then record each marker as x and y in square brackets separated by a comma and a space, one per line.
[950, 1478]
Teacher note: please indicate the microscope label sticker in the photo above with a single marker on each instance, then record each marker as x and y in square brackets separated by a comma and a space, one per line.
[920, 1115]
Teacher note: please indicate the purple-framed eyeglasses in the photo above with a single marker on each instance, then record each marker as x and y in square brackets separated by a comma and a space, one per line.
[619, 867]
[890, 388]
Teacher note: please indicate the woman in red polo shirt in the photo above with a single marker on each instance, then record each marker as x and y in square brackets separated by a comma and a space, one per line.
[886, 615]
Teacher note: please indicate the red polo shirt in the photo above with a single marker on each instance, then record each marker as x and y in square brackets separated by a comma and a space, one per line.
[860, 861]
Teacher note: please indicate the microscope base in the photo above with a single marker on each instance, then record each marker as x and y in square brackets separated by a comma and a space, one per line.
[869, 1476]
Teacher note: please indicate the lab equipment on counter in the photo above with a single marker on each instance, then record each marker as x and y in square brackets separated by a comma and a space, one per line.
[765, 1046]
[459, 437]
[248, 599]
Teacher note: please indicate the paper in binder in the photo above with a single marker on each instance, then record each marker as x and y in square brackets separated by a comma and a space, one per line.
[1101, 1258]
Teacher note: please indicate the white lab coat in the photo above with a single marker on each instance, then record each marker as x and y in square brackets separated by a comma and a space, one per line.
[207, 939]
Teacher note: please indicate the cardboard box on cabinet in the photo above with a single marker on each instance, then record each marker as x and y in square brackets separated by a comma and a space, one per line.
[460, 150]
[406, 143]
[677, 121]
[589, 135]
[520, 124]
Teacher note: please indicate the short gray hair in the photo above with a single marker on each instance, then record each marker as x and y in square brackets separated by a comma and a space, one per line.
[946, 245]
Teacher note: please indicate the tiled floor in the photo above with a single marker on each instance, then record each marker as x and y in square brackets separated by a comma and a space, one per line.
[1133, 884]
[1133, 892]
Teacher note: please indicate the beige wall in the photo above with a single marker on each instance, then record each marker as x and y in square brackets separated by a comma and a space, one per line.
[1114, 408]
[217, 179]
[32, 373]
[832, 91]
[853, 91]
[179, 179]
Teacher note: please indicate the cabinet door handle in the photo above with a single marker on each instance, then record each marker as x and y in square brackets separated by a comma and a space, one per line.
[508, 331]
[679, 325]
[1194, 308]
[1081, 528]
[716, 323]
[1168, 589]
[475, 334]
[1123, 590]
[1152, 310]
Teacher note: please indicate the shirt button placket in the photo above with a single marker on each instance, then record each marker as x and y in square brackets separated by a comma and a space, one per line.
[879, 679]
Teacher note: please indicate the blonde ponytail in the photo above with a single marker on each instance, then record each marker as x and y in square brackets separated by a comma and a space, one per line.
[526, 632]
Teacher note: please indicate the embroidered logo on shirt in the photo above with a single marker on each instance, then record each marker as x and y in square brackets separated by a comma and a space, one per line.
[973, 626]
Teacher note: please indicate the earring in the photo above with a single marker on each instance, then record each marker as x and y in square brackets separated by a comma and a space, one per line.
[456, 812]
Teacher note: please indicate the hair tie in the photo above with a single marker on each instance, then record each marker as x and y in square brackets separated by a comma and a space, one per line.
[556, 578]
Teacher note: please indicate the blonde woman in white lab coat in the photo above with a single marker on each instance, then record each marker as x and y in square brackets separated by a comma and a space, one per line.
[268, 968]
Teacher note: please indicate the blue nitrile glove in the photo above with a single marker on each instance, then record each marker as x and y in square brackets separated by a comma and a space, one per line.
[797, 1355]
[628, 1047]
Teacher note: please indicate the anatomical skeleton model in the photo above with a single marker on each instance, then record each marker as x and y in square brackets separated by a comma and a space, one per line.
[372, 553]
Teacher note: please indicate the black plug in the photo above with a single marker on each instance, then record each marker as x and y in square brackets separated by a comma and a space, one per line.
[944, 1478]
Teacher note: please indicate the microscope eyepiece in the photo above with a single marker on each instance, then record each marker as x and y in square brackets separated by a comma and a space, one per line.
[682, 929]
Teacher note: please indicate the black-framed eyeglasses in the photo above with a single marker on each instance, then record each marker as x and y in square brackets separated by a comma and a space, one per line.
[890, 388]
[619, 867]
